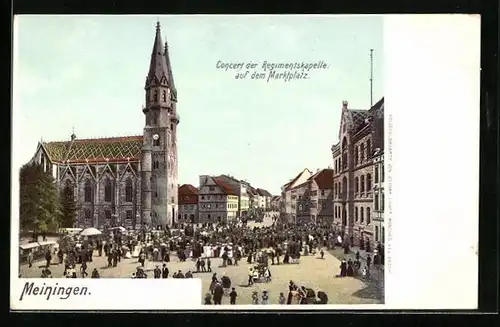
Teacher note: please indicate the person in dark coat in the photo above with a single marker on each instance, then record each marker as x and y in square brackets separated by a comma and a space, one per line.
[164, 271]
[350, 270]
[218, 292]
[343, 268]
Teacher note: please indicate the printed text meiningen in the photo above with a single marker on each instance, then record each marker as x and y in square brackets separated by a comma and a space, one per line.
[47, 291]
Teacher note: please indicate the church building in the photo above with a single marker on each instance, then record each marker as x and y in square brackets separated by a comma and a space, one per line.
[125, 181]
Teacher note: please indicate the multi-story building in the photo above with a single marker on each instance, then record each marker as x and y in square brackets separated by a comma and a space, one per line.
[361, 132]
[264, 198]
[188, 204]
[288, 205]
[321, 196]
[253, 201]
[128, 180]
[240, 188]
[379, 196]
[276, 203]
[301, 201]
[217, 200]
[312, 200]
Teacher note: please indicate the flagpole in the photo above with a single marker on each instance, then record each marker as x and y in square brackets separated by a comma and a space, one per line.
[371, 78]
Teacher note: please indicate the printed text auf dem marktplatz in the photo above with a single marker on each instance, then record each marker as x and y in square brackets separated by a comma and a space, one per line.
[293, 71]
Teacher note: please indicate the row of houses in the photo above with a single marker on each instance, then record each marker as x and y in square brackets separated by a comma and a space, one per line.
[220, 198]
[350, 194]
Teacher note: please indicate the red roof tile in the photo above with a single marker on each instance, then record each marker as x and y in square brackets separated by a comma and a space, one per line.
[226, 188]
[324, 179]
[188, 194]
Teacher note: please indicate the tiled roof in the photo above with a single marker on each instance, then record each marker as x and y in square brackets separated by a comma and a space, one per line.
[112, 149]
[251, 191]
[287, 186]
[187, 189]
[226, 188]
[275, 198]
[263, 192]
[324, 179]
[358, 118]
[187, 194]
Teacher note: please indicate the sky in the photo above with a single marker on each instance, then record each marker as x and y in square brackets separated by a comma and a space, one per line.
[88, 73]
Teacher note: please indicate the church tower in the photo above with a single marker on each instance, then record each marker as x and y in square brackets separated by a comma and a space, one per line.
[159, 151]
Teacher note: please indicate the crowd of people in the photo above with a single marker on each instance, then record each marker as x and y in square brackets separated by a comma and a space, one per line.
[259, 247]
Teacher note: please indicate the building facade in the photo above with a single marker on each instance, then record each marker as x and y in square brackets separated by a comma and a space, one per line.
[240, 187]
[217, 200]
[264, 198]
[321, 196]
[311, 201]
[188, 204]
[276, 203]
[130, 180]
[361, 134]
[289, 196]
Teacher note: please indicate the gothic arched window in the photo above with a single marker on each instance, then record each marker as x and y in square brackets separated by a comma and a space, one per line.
[368, 182]
[362, 214]
[362, 183]
[356, 155]
[68, 188]
[376, 174]
[128, 190]
[164, 96]
[362, 152]
[356, 215]
[107, 190]
[356, 185]
[87, 191]
[155, 96]
[368, 218]
[344, 187]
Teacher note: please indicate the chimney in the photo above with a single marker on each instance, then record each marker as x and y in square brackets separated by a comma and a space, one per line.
[344, 104]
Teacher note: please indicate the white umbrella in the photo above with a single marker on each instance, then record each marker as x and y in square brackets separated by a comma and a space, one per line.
[121, 229]
[91, 231]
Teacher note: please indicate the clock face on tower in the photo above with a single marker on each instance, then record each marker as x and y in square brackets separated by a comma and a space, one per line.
[156, 137]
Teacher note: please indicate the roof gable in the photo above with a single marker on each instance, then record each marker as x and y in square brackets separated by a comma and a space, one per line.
[324, 179]
[188, 189]
[112, 149]
[228, 189]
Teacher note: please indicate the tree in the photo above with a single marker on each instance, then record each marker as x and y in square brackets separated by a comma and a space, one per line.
[39, 207]
[68, 207]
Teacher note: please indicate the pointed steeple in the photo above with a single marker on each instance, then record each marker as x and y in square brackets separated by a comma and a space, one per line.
[170, 76]
[169, 67]
[158, 72]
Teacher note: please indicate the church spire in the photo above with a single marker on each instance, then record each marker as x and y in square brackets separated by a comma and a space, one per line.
[158, 72]
[170, 76]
